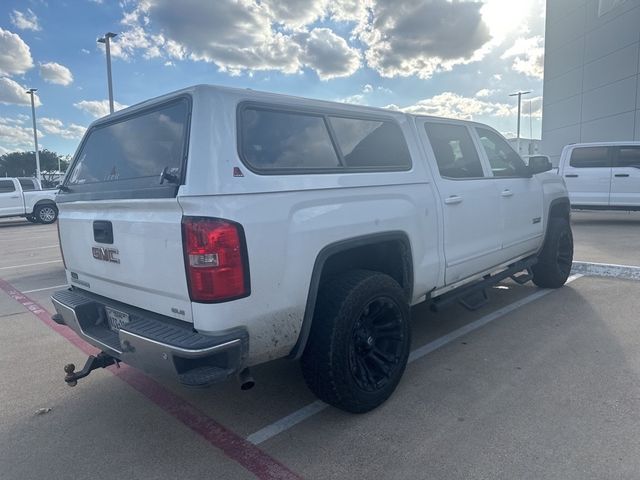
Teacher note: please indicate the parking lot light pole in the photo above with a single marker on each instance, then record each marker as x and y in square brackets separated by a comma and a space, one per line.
[519, 95]
[106, 40]
[31, 91]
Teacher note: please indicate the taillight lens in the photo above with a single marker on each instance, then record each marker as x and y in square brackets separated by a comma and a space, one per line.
[215, 258]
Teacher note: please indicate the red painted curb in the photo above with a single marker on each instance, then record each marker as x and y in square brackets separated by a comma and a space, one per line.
[255, 460]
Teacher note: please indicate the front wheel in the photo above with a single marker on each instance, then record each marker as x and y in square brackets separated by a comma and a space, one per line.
[555, 259]
[46, 213]
[359, 341]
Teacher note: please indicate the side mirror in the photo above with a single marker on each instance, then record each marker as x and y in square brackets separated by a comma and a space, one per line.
[539, 164]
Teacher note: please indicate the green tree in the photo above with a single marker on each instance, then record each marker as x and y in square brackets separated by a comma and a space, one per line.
[23, 164]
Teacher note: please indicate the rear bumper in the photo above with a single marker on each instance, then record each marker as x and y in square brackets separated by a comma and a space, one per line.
[161, 346]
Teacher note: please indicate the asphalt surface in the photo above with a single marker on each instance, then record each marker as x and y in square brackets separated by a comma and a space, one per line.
[542, 385]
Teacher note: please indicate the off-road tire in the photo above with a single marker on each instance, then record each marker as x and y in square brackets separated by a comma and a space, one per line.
[351, 310]
[555, 259]
[46, 214]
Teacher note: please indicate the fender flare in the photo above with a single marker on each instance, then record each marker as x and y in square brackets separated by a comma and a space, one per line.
[318, 267]
[44, 201]
[555, 202]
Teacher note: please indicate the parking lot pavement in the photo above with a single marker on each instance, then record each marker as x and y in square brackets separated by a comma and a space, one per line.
[607, 237]
[536, 384]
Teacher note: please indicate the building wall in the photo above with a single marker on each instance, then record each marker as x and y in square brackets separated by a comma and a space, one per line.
[526, 146]
[591, 73]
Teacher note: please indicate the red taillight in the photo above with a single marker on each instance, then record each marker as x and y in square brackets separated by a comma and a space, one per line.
[215, 259]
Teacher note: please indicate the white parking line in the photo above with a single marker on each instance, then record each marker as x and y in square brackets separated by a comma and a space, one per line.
[30, 264]
[307, 411]
[45, 288]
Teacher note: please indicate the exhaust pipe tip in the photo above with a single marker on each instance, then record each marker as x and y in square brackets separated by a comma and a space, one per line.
[246, 380]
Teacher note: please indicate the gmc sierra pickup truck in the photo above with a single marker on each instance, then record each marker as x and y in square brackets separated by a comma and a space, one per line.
[213, 229]
[24, 197]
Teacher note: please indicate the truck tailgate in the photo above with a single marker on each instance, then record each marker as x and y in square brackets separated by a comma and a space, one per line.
[141, 265]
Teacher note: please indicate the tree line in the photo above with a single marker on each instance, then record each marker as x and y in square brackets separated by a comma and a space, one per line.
[23, 164]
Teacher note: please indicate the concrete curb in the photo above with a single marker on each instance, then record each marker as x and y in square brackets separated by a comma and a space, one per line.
[627, 272]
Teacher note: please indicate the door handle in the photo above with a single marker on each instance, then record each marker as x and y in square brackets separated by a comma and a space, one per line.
[453, 199]
[621, 175]
[18, 196]
[571, 175]
[506, 193]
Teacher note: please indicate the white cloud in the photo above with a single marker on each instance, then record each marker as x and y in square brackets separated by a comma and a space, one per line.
[528, 56]
[452, 105]
[485, 92]
[296, 13]
[15, 56]
[237, 35]
[54, 126]
[348, 10]
[53, 72]
[423, 37]
[12, 93]
[25, 20]
[329, 54]
[15, 136]
[363, 98]
[98, 108]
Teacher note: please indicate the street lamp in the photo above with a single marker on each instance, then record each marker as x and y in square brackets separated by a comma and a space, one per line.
[31, 91]
[106, 40]
[519, 95]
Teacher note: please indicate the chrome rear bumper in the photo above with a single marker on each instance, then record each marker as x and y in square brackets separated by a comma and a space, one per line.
[159, 345]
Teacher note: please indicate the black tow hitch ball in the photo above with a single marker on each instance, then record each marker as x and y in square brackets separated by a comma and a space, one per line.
[102, 360]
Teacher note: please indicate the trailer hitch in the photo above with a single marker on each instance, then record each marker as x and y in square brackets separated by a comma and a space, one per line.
[102, 360]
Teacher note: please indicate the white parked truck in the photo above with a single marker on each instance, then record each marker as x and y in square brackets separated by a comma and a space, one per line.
[603, 175]
[213, 229]
[24, 197]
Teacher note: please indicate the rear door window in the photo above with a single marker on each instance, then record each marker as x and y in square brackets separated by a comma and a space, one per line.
[281, 140]
[131, 153]
[7, 186]
[455, 152]
[590, 157]
[628, 157]
[27, 184]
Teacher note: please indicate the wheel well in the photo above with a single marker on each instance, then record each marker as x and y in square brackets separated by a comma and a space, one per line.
[391, 257]
[388, 253]
[44, 202]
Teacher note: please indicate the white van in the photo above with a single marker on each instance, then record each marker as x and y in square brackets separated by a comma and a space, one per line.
[602, 176]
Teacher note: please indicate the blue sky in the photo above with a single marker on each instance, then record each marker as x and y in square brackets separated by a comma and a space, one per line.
[452, 58]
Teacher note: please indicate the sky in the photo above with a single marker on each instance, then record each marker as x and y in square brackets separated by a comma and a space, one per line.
[451, 58]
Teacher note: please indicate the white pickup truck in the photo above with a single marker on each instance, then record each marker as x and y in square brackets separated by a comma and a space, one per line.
[603, 175]
[213, 229]
[24, 197]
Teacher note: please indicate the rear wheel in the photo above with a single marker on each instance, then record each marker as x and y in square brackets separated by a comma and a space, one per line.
[46, 213]
[555, 259]
[359, 341]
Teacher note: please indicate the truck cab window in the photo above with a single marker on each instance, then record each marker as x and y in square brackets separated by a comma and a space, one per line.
[504, 160]
[455, 153]
[7, 186]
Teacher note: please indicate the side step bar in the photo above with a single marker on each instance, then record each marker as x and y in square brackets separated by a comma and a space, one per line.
[474, 296]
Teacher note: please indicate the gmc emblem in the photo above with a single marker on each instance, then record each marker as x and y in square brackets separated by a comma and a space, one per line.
[105, 254]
